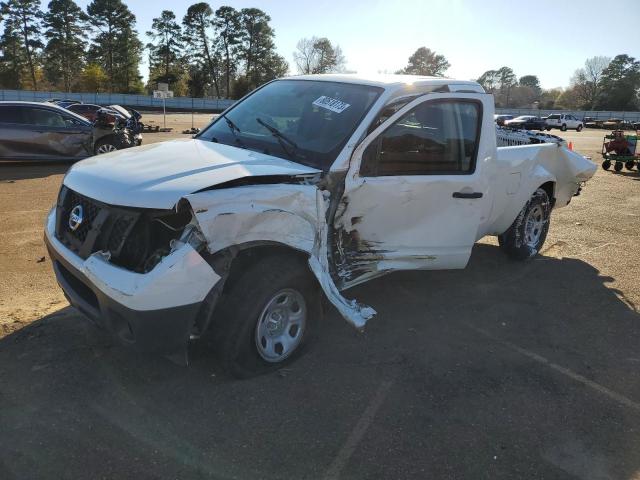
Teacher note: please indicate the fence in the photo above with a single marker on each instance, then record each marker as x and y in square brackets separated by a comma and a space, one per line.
[140, 101]
[580, 114]
[210, 104]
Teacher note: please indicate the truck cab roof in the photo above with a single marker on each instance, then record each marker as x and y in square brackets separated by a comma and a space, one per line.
[399, 83]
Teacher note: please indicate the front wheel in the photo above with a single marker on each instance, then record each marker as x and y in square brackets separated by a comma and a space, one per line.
[579, 129]
[629, 165]
[563, 127]
[266, 316]
[618, 166]
[526, 235]
[606, 165]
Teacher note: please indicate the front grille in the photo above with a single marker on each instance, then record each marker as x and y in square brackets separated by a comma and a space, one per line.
[90, 212]
[103, 227]
[135, 238]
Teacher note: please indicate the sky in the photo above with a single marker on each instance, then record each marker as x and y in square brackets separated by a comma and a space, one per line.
[548, 38]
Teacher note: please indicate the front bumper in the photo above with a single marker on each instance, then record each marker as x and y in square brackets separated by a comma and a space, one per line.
[152, 312]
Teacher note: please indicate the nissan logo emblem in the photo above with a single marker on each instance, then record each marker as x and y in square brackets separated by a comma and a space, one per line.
[76, 217]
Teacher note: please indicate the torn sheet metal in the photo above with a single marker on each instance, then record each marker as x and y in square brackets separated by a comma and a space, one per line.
[352, 311]
[292, 215]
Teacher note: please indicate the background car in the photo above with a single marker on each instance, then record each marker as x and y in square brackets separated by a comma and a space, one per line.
[527, 122]
[43, 131]
[564, 122]
[500, 119]
[86, 110]
[66, 103]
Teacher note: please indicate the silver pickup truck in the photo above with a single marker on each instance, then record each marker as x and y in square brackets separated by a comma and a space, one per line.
[307, 186]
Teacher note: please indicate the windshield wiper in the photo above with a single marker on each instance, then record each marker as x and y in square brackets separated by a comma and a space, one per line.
[234, 129]
[281, 137]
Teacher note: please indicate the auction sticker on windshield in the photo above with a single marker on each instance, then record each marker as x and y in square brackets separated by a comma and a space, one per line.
[331, 104]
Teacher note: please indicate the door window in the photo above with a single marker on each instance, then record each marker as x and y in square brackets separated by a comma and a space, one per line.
[11, 114]
[435, 138]
[45, 118]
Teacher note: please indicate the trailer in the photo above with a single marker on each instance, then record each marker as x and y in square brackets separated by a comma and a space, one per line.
[620, 149]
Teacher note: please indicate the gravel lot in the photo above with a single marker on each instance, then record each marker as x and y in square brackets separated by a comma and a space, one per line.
[503, 370]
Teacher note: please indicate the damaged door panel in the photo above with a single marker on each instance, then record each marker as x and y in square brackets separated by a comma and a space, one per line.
[414, 197]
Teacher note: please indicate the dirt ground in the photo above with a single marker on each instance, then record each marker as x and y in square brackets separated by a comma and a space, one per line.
[503, 370]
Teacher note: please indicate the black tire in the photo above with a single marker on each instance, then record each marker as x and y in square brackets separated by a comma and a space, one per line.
[617, 166]
[629, 165]
[235, 320]
[579, 129]
[606, 164]
[563, 127]
[105, 144]
[513, 241]
[548, 129]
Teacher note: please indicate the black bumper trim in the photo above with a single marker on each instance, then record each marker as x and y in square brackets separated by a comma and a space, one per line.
[164, 331]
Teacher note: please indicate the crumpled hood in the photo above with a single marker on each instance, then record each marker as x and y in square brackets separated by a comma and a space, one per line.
[159, 174]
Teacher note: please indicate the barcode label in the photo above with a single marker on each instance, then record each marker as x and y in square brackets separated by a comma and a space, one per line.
[331, 104]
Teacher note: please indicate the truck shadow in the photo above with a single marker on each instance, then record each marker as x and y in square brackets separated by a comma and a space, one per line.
[11, 171]
[462, 397]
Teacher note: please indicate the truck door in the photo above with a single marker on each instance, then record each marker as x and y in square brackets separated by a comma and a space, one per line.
[417, 189]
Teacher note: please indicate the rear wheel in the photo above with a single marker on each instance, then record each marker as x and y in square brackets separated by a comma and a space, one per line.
[606, 164]
[563, 127]
[629, 165]
[618, 166]
[266, 317]
[526, 236]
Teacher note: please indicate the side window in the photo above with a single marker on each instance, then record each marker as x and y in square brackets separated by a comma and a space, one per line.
[11, 114]
[435, 138]
[44, 118]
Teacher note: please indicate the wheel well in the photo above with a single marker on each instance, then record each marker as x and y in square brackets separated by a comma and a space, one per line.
[109, 136]
[549, 187]
[246, 255]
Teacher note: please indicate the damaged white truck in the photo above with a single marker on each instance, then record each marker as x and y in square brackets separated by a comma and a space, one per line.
[307, 186]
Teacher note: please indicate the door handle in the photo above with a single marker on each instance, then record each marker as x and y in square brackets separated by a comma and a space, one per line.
[467, 195]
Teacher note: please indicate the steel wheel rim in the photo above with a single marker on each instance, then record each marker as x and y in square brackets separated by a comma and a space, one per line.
[106, 148]
[534, 225]
[281, 325]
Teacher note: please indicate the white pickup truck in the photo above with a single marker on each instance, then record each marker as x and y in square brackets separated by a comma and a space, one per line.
[307, 186]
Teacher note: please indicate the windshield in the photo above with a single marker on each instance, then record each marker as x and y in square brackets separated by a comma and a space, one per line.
[300, 120]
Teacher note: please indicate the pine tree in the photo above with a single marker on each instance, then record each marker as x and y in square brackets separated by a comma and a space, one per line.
[26, 18]
[258, 49]
[227, 25]
[620, 84]
[64, 52]
[165, 49]
[116, 46]
[201, 47]
[12, 56]
[424, 61]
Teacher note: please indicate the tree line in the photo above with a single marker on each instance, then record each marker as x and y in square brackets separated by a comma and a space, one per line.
[227, 52]
[221, 53]
[602, 84]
